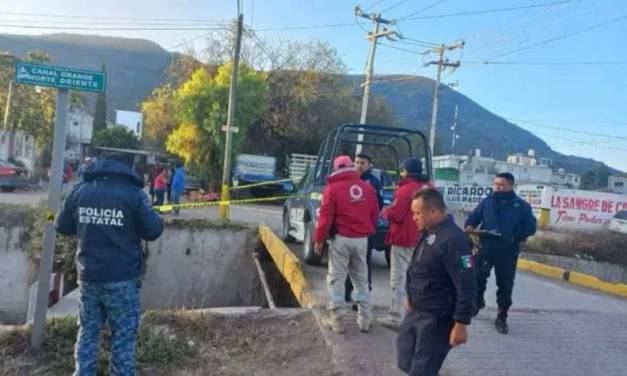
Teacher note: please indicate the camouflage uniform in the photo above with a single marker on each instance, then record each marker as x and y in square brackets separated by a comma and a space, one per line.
[119, 304]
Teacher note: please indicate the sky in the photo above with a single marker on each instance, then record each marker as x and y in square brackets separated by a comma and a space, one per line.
[555, 67]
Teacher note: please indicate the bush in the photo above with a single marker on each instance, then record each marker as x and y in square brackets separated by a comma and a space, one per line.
[116, 137]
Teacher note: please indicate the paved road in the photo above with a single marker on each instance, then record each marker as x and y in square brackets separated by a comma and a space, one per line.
[556, 328]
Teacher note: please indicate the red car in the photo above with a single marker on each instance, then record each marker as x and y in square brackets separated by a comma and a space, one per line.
[12, 176]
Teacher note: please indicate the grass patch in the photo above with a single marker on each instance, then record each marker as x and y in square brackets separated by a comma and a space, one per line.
[157, 347]
[606, 246]
[186, 343]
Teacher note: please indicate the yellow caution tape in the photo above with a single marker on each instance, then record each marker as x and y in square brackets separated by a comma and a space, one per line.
[48, 215]
[195, 205]
[260, 184]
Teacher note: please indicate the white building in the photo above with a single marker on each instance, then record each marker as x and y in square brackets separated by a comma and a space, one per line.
[478, 170]
[130, 119]
[565, 180]
[79, 131]
[617, 184]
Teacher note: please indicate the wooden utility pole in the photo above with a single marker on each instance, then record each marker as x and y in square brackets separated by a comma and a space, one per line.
[226, 172]
[373, 37]
[441, 63]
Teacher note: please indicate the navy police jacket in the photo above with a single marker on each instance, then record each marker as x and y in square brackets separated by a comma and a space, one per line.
[110, 214]
[376, 184]
[505, 213]
[441, 274]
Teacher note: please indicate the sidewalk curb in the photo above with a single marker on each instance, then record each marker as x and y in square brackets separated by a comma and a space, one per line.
[288, 265]
[576, 278]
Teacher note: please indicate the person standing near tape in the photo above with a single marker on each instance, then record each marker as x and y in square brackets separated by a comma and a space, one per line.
[510, 218]
[349, 205]
[178, 185]
[110, 214]
[402, 235]
[441, 287]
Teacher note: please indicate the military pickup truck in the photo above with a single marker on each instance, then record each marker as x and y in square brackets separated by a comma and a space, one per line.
[387, 146]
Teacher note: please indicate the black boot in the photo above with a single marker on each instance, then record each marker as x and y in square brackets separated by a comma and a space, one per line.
[501, 322]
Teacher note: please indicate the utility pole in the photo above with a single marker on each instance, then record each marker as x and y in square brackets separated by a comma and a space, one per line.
[7, 108]
[373, 37]
[454, 134]
[226, 173]
[441, 63]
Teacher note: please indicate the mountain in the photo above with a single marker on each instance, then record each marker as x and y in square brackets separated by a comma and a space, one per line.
[136, 66]
[411, 98]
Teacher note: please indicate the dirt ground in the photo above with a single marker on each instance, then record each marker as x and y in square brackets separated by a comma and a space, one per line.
[602, 246]
[182, 343]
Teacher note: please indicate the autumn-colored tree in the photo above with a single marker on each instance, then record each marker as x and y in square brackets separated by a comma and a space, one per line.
[201, 110]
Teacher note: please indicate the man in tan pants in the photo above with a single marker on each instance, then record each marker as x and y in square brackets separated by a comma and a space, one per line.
[350, 206]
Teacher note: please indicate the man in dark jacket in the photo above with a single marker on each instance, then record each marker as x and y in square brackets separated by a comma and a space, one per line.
[511, 220]
[402, 235]
[363, 164]
[110, 214]
[441, 288]
[350, 205]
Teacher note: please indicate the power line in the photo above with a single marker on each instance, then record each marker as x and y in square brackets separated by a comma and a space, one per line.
[560, 37]
[375, 4]
[48, 15]
[546, 63]
[495, 10]
[533, 123]
[400, 48]
[394, 6]
[409, 17]
[304, 27]
[109, 28]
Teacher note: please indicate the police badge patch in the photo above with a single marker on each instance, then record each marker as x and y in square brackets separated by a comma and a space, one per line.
[467, 262]
[431, 239]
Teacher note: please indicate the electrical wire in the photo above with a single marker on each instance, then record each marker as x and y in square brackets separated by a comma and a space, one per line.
[109, 28]
[394, 6]
[560, 37]
[49, 15]
[533, 123]
[546, 63]
[409, 17]
[375, 4]
[488, 11]
[304, 27]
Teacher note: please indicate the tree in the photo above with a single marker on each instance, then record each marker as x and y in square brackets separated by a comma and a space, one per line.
[159, 109]
[115, 137]
[596, 177]
[202, 105]
[100, 114]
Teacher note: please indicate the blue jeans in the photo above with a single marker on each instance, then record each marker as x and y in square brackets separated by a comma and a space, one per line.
[176, 199]
[119, 304]
[160, 193]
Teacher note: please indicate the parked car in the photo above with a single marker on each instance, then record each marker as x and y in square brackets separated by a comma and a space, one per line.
[12, 176]
[618, 223]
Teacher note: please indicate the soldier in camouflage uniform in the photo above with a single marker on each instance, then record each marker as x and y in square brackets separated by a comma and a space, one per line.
[110, 214]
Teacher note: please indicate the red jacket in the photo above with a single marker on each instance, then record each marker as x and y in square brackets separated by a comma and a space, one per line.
[403, 232]
[350, 204]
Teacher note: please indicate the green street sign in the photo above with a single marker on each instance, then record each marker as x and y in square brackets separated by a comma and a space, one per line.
[60, 77]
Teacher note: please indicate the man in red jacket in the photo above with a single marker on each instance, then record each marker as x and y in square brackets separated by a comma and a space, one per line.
[350, 206]
[402, 235]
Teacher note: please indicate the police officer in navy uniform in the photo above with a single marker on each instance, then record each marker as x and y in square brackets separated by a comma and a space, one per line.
[441, 289]
[511, 220]
[110, 214]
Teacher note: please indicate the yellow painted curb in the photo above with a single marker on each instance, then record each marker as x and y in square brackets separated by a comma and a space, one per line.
[575, 278]
[538, 268]
[288, 265]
